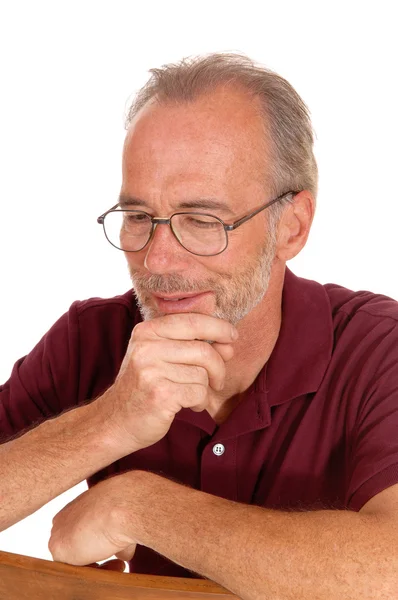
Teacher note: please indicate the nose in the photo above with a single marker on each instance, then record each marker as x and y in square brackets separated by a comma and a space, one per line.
[164, 254]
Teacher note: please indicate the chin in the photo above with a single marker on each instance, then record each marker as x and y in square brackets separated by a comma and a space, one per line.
[148, 314]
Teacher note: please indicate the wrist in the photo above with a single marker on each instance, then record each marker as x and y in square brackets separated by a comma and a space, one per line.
[134, 491]
[111, 426]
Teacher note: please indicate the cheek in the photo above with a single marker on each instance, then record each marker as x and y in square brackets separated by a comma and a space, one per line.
[135, 260]
[198, 269]
[243, 245]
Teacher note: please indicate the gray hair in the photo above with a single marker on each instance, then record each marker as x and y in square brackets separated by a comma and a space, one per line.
[287, 124]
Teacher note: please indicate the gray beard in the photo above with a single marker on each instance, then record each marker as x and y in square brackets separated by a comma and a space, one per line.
[235, 294]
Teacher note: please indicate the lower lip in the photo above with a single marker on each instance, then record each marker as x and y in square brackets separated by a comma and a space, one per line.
[183, 305]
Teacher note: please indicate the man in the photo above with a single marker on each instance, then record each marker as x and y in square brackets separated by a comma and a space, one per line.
[248, 417]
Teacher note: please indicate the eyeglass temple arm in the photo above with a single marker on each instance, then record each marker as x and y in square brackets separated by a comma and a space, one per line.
[253, 214]
[101, 218]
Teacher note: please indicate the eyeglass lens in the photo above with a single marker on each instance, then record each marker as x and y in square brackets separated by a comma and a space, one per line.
[198, 233]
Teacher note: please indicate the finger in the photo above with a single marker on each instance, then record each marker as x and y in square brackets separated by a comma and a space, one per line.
[193, 353]
[181, 373]
[195, 397]
[199, 354]
[115, 564]
[187, 326]
[226, 351]
[127, 553]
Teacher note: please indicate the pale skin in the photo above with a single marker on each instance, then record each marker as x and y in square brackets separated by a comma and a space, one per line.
[175, 153]
[326, 555]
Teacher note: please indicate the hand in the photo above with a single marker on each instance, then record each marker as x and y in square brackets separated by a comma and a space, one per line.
[92, 527]
[168, 366]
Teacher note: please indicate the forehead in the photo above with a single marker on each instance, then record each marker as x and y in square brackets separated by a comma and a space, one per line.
[203, 146]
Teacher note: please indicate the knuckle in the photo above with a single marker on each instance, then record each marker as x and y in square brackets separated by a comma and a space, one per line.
[53, 547]
[211, 358]
[139, 354]
[139, 330]
[202, 374]
[161, 388]
[144, 330]
[203, 393]
[145, 378]
[206, 351]
[195, 394]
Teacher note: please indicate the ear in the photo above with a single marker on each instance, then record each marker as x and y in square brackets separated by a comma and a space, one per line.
[294, 226]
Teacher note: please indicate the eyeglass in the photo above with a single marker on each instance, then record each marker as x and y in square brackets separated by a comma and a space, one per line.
[199, 233]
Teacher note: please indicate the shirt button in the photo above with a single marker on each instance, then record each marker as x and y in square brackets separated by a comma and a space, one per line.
[218, 449]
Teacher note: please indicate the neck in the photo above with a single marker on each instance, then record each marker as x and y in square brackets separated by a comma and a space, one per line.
[258, 333]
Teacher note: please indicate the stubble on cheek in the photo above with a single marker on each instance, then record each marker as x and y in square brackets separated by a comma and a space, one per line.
[235, 294]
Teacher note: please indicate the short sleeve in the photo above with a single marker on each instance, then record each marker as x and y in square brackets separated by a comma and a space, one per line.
[374, 450]
[43, 383]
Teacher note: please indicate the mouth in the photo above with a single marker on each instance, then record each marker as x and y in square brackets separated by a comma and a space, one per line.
[179, 296]
[181, 302]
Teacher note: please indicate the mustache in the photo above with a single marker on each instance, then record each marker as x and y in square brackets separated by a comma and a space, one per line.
[169, 284]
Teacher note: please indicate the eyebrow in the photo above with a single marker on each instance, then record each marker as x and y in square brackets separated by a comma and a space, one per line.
[198, 203]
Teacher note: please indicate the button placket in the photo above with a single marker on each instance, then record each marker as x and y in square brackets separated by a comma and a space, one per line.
[218, 469]
[218, 449]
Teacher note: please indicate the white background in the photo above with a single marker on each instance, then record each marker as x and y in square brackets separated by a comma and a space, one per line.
[67, 70]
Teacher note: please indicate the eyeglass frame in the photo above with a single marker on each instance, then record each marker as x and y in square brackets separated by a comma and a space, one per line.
[164, 221]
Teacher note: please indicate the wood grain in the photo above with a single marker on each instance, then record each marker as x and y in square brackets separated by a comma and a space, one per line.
[26, 578]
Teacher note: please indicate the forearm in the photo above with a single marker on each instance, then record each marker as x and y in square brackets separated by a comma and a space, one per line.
[53, 457]
[264, 554]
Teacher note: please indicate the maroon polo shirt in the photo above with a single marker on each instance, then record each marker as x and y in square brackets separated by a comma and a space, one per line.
[318, 429]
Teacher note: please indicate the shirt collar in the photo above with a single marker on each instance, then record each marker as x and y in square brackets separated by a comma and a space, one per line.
[296, 366]
[304, 347]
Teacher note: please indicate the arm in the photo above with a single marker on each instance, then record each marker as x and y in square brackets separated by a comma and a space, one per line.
[53, 457]
[254, 552]
[166, 367]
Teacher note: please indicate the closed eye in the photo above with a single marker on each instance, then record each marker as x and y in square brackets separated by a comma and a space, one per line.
[202, 222]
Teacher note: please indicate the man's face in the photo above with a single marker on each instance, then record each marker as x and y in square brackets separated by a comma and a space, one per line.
[210, 155]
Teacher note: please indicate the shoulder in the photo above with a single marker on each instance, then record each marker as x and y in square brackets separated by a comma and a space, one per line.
[364, 358]
[363, 317]
[341, 332]
[87, 344]
[97, 316]
[105, 313]
[121, 304]
[324, 314]
[92, 333]
[348, 303]
[105, 324]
